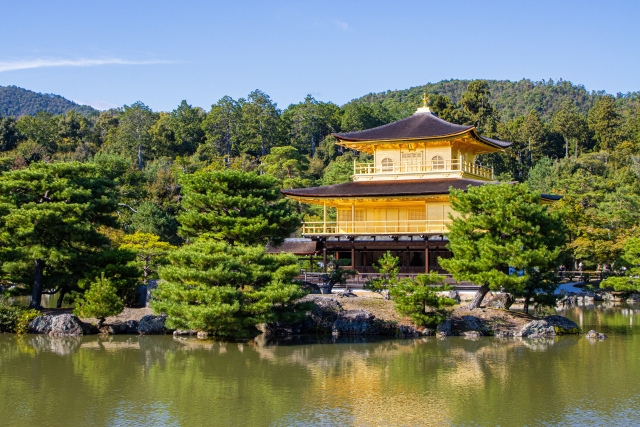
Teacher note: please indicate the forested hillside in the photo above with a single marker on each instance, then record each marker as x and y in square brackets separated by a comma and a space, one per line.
[579, 144]
[510, 99]
[16, 101]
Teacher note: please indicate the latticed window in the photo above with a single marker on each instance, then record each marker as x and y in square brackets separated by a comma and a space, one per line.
[417, 214]
[412, 158]
[359, 215]
[437, 163]
[387, 165]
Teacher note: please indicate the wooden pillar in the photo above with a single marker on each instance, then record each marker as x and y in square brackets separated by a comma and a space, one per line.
[426, 259]
[353, 257]
[353, 218]
[324, 220]
[324, 259]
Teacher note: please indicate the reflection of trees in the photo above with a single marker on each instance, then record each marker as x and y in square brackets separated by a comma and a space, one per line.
[104, 381]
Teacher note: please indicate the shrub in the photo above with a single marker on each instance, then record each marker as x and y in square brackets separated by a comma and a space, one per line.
[14, 318]
[388, 268]
[25, 317]
[8, 316]
[418, 298]
[100, 301]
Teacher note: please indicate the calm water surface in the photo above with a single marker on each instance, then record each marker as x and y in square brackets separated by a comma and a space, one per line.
[159, 381]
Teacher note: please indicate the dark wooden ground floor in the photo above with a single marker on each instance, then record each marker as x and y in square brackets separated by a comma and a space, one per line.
[417, 255]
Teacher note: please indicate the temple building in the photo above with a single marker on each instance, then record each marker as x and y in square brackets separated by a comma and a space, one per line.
[400, 201]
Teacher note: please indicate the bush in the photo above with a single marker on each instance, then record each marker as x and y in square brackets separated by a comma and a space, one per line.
[8, 316]
[14, 318]
[388, 268]
[25, 317]
[418, 298]
[100, 301]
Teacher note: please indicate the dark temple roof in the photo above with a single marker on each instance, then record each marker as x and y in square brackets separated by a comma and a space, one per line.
[419, 125]
[294, 246]
[408, 187]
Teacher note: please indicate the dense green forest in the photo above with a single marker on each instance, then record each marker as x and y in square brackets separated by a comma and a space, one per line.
[157, 171]
[16, 101]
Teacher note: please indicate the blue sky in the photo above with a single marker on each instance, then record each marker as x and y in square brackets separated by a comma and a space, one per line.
[112, 53]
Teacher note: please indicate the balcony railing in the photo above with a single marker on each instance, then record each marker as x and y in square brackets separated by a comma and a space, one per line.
[369, 228]
[431, 167]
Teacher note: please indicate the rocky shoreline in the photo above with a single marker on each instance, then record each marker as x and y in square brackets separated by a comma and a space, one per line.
[334, 315]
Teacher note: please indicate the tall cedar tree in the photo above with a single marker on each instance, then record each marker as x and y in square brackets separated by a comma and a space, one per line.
[227, 289]
[501, 227]
[235, 206]
[48, 219]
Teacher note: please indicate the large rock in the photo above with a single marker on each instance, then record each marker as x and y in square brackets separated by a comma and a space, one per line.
[152, 325]
[355, 322]
[321, 317]
[561, 325]
[501, 300]
[59, 326]
[549, 326]
[472, 323]
[128, 327]
[444, 328]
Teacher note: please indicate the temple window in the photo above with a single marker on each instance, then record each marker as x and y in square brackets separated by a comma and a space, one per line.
[387, 165]
[437, 163]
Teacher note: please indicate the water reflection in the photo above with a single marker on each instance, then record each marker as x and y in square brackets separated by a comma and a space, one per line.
[150, 380]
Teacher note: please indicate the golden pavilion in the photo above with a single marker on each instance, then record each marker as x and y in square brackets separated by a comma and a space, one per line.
[400, 201]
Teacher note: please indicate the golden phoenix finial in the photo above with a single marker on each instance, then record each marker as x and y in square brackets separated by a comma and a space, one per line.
[425, 100]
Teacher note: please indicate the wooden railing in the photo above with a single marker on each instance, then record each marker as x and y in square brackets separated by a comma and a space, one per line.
[430, 167]
[375, 227]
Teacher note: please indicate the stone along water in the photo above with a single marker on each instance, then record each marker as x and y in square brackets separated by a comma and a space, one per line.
[157, 381]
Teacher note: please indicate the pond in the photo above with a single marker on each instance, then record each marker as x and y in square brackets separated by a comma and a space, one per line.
[161, 381]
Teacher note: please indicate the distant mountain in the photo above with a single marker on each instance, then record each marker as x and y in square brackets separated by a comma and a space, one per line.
[16, 101]
[510, 98]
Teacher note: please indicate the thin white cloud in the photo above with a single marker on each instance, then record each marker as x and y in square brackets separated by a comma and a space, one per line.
[82, 62]
[342, 25]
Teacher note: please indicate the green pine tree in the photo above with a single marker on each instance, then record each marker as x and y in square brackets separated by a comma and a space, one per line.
[235, 206]
[501, 227]
[227, 289]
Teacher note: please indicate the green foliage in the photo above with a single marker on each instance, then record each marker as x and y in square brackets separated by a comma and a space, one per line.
[99, 301]
[226, 289]
[387, 266]
[150, 252]
[498, 227]
[337, 274]
[50, 214]
[288, 166]
[17, 102]
[235, 206]
[9, 315]
[24, 318]
[418, 298]
[630, 280]
[14, 318]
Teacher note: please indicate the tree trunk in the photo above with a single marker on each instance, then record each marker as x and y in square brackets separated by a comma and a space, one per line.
[36, 294]
[63, 292]
[525, 308]
[140, 156]
[478, 297]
